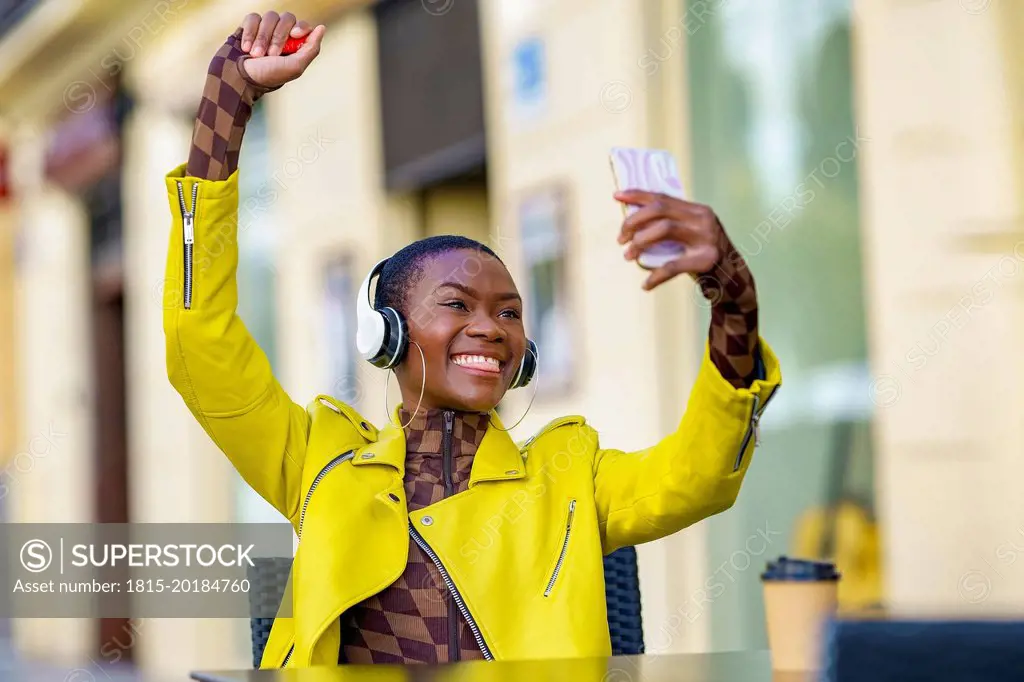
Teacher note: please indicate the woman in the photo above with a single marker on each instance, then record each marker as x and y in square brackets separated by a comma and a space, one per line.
[437, 538]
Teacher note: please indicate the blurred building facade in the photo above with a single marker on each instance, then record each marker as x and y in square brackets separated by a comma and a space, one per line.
[869, 199]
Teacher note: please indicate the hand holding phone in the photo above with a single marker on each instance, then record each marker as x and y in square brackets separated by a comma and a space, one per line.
[650, 170]
[662, 231]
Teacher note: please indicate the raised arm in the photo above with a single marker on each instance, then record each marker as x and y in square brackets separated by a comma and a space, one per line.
[697, 470]
[213, 362]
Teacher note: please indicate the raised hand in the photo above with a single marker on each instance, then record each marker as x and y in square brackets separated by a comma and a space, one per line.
[263, 38]
[666, 218]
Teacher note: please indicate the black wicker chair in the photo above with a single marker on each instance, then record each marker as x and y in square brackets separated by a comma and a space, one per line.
[622, 592]
[268, 578]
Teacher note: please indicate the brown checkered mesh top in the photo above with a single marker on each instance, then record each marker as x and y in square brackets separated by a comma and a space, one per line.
[733, 333]
[224, 111]
[415, 619]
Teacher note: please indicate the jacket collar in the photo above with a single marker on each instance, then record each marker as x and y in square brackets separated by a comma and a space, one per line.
[498, 458]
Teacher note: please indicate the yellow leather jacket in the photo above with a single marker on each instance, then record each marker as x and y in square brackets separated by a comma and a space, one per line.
[522, 547]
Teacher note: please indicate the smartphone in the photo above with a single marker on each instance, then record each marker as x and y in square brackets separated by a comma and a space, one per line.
[651, 170]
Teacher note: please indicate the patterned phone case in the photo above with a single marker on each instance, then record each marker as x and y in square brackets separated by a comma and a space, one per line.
[651, 170]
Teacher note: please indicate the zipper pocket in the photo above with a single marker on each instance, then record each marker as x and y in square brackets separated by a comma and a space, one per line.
[753, 427]
[344, 457]
[751, 424]
[288, 656]
[188, 224]
[565, 548]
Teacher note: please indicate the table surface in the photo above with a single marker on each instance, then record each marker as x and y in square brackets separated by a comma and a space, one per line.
[740, 666]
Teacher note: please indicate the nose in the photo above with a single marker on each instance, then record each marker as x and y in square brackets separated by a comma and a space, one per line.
[483, 326]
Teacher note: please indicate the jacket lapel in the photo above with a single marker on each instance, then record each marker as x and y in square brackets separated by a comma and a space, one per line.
[499, 458]
[388, 450]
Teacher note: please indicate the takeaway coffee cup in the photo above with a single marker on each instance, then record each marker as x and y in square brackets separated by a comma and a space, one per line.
[799, 598]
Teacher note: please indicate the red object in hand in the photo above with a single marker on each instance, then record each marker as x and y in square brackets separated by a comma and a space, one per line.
[292, 45]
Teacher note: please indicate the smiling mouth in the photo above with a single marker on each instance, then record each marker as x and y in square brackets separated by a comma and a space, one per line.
[478, 363]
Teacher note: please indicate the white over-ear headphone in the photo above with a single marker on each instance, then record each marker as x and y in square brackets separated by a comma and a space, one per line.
[382, 336]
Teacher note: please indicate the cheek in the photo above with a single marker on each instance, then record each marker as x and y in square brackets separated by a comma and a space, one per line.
[517, 340]
[435, 340]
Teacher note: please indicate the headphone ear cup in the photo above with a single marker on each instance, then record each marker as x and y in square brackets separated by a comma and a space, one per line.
[527, 367]
[371, 324]
[396, 339]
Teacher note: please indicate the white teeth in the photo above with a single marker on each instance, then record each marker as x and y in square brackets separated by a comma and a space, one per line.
[475, 360]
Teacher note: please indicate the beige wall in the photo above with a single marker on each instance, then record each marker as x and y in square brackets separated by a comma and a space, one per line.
[54, 483]
[944, 246]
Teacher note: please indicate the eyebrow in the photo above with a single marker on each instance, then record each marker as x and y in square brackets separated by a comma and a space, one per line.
[470, 291]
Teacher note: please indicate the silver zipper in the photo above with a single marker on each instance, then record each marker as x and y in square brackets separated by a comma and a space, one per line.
[316, 481]
[449, 489]
[565, 548]
[446, 453]
[753, 427]
[454, 592]
[344, 457]
[305, 504]
[189, 229]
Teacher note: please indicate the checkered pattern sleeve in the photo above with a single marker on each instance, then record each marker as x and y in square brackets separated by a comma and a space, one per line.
[733, 335]
[224, 111]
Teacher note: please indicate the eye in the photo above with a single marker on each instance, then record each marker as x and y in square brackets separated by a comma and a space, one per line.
[455, 304]
[510, 313]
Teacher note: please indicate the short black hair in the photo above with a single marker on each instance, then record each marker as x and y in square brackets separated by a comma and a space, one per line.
[403, 270]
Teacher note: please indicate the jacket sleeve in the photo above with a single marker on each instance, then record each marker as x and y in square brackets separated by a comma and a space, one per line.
[212, 361]
[695, 472]
[215, 365]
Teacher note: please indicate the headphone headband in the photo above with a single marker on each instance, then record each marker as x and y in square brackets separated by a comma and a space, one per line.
[364, 289]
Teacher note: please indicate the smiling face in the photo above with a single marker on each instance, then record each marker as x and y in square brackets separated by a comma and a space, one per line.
[466, 314]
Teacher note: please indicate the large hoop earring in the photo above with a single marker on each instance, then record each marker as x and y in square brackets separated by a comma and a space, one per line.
[536, 385]
[423, 386]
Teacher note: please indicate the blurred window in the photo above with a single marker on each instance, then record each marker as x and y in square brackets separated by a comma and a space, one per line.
[430, 77]
[775, 153]
[339, 312]
[543, 230]
[257, 238]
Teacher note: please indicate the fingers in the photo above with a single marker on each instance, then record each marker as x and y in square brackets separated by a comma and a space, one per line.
[658, 231]
[311, 48]
[264, 34]
[636, 220]
[250, 25]
[281, 33]
[637, 197]
[655, 206]
[300, 29]
[695, 260]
